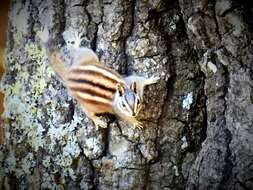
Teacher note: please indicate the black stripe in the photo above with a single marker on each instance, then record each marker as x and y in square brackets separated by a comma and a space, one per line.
[93, 101]
[91, 92]
[113, 90]
[89, 72]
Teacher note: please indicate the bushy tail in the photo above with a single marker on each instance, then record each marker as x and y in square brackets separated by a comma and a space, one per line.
[58, 64]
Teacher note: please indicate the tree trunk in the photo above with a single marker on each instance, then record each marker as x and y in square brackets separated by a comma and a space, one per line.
[198, 118]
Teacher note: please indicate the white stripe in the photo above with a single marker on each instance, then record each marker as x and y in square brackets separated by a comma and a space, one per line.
[129, 110]
[135, 105]
[101, 71]
[96, 98]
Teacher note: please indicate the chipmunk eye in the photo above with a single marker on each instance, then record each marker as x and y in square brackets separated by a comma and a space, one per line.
[138, 101]
[123, 105]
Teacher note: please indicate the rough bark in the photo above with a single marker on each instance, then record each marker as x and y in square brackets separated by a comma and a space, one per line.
[198, 119]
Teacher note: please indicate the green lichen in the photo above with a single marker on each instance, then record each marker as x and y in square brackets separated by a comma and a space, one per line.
[21, 103]
[38, 82]
[18, 37]
[35, 52]
[22, 96]
[15, 88]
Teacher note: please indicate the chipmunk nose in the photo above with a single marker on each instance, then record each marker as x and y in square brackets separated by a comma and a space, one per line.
[133, 114]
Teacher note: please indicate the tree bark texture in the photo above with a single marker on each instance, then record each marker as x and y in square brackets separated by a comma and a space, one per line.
[198, 118]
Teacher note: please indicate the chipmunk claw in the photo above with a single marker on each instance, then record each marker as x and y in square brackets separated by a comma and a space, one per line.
[138, 125]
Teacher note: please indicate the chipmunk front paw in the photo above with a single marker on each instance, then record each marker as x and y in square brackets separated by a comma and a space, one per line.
[138, 125]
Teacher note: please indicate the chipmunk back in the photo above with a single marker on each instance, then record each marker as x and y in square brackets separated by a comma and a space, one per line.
[94, 86]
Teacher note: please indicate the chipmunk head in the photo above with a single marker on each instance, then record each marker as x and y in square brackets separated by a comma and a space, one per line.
[126, 100]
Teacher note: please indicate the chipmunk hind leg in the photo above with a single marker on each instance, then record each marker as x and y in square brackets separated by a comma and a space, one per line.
[145, 82]
[96, 120]
[141, 82]
[151, 80]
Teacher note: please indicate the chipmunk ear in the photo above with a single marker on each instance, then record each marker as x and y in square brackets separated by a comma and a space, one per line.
[120, 88]
[133, 87]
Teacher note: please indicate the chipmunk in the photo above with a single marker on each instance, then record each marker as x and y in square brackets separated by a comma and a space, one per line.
[97, 88]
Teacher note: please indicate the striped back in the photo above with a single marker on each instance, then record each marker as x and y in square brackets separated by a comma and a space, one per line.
[93, 86]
